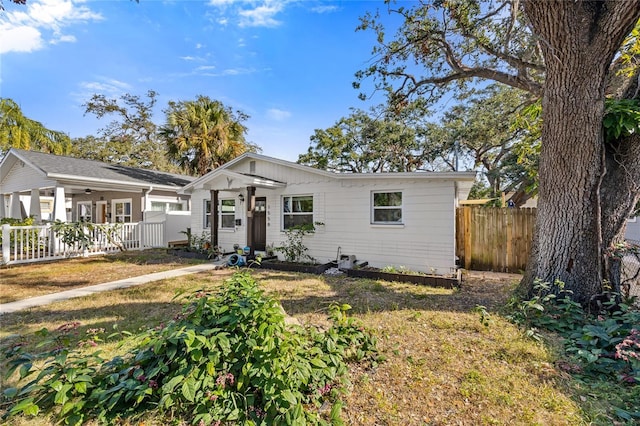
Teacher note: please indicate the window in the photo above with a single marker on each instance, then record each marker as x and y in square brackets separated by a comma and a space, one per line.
[207, 214]
[297, 211]
[121, 211]
[226, 213]
[84, 211]
[165, 206]
[386, 207]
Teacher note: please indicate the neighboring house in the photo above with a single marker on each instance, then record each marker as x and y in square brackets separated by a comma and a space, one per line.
[633, 229]
[50, 187]
[400, 219]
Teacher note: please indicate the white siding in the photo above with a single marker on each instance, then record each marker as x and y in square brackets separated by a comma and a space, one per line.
[633, 229]
[23, 178]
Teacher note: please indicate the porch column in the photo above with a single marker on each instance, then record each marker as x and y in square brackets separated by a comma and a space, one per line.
[34, 208]
[59, 210]
[251, 206]
[15, 209]
[213, 220]
[3, 213]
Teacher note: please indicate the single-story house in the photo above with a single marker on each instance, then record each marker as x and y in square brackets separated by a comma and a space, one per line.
[51, 187]
[399, 219]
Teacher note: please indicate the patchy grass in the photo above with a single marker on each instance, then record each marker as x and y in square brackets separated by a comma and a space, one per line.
[35, 279]
[443, 366]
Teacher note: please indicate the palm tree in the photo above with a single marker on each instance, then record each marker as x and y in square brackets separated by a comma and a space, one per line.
[18, 131]
[203, 134]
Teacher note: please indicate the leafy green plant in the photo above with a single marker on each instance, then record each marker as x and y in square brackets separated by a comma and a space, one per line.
[595, 341]
[293, 248]
[228, 357]
[622, 118]
[32, 237]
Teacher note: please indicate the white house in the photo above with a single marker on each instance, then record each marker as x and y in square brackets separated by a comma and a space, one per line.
[399, 219]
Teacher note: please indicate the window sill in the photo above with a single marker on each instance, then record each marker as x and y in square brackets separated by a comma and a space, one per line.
[227, 230]
[386, 225]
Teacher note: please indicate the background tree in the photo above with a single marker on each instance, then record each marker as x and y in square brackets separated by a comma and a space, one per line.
[203, 134]
[484, 129]
[18, 131]
[587, 186]
[131, 139]
[371, 142]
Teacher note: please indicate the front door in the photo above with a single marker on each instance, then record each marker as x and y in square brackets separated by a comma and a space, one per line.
[259, 236]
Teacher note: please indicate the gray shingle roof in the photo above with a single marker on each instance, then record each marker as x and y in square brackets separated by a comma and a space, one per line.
[61, 165]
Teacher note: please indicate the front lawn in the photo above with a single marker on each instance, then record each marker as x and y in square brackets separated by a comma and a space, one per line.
[443, 366]
[35, 279]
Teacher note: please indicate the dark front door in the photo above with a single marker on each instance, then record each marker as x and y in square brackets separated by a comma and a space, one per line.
[260, 224]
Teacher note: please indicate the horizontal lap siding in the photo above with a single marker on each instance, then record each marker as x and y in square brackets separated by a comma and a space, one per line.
[24, 178]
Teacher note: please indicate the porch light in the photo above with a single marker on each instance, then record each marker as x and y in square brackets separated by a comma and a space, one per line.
[87, 191]
[241, 197]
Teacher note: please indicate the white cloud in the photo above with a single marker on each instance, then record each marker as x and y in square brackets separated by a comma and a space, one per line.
[42, 23]
[19, 39]
[109, 87]
[324, 9]
[261, 16]
[206, 68]
[249, 13]
[278, 114]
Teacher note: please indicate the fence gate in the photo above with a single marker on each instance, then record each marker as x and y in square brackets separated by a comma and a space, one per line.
[493, 238]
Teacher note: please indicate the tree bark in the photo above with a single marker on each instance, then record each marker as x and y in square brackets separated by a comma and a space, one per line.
[579, 40]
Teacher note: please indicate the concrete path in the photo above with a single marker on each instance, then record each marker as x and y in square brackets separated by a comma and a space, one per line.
[19, 305]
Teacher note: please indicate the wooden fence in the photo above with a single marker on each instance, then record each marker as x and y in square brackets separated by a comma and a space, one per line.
[493, 238]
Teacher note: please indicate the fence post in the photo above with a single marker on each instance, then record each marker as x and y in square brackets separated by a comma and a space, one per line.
[466, 215]
[6, 244]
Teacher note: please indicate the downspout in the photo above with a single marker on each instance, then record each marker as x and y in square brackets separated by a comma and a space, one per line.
[146, 201]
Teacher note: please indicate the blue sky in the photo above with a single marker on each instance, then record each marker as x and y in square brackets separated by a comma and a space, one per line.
[288, 64]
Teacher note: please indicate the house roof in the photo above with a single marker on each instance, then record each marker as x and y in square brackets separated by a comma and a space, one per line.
[78, 170]
[224, 170]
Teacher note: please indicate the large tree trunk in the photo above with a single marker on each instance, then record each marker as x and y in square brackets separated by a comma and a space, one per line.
[579, 40]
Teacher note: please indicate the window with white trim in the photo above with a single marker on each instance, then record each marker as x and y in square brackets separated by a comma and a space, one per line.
[84, 211]
[121, 211]
[226, 213]
[386, 207]
[206, 211]
[166, 206]
[297, 211]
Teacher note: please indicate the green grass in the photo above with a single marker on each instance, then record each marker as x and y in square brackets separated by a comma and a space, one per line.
[443, 366]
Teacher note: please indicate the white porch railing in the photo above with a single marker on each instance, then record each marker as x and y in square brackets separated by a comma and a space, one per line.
[23, 244]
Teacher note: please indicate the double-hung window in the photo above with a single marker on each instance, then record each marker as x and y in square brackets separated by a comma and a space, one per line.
[84, 211]
[121, 211]
[386, 207]
[297, 211]
[226, 214]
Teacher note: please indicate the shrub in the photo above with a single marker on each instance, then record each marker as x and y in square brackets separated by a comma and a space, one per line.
[293, 249]
[228, 357]
[602, 344]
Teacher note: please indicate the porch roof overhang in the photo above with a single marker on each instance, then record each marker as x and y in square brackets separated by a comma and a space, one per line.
[226, 180]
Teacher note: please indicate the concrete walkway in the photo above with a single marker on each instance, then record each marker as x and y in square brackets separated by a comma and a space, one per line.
[19, 305]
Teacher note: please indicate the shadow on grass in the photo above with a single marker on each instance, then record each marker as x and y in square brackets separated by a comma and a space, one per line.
[304, 294]
[127, 316]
